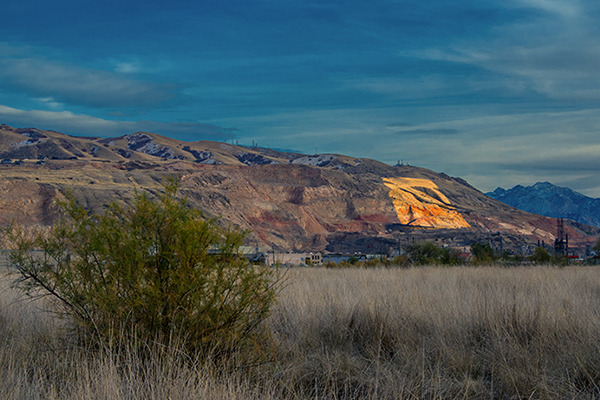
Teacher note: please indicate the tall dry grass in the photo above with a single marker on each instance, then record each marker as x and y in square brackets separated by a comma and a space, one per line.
[442, 332]
[38, 360]
[421, 333]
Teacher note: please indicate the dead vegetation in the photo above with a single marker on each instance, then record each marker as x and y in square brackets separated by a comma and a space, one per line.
[418, 333]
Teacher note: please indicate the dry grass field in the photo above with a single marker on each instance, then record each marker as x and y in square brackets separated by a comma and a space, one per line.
[419, 333]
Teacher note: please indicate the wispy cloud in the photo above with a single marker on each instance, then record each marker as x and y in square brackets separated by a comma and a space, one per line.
[50, 103]
[427, 132]
[126, 67]
[487, 150]
[419, 87]
[80, 124]
[568, 8]
[71, 84]
[554, 52]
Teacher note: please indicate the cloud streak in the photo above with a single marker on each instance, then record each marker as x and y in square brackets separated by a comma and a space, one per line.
[428, 132]
[567, 9]
[80, 124]
[555, 54]
[80, 86]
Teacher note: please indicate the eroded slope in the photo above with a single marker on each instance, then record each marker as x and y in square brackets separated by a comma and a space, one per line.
[288, 201]
[420, 203]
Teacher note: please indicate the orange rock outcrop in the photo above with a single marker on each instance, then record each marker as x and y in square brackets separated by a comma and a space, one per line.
[420, 203]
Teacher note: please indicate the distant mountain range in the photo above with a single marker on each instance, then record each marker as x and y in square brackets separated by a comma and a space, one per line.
[553, 201]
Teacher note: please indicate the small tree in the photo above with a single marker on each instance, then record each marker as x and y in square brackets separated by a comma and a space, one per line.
[483, 253]
[148, 271]
[451, 257]
[428, 253]
[424, 253]
[541, 256]
[596, 247]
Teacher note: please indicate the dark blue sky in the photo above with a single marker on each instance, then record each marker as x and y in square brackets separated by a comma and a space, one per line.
[500, 92]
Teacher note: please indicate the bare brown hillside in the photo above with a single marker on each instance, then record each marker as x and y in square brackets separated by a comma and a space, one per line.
[289, 201]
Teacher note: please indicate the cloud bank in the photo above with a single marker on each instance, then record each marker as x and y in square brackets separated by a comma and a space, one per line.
[86, 125]
[71, 84]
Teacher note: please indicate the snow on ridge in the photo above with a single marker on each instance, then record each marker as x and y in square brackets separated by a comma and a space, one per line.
[211, 161]
[137, 140]
[35, 137]
[254, 159]
[17, 145]
[317, 161]
[28, 142]
[31, 133]
[143, 143]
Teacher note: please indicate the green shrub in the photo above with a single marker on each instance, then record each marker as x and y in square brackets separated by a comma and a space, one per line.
[150, 271]
[424, 253]
[560, 260]
[541, 256]
[596, 247]
[353, 260]
[483, 253]
[428, 253]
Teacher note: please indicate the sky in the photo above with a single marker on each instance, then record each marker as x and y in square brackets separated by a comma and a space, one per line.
[497, 92]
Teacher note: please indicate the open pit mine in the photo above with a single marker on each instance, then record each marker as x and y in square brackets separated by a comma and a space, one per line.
[419, 203]
[287, 201]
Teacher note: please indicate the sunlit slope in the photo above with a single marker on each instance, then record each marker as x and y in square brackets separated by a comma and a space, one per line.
[419, 203]
[288, 201]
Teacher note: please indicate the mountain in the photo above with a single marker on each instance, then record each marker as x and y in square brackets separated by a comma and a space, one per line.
[288, 201]
[547, 199]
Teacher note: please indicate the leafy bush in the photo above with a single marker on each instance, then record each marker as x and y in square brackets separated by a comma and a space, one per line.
[428, 253]
[424, 253]
[541, 256]
[596, 247]
[150, 271]
[355, 262]
[483, 253]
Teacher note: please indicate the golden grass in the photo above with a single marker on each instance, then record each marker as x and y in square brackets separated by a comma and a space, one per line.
[444, 333]
[38, 361]
[420, 333]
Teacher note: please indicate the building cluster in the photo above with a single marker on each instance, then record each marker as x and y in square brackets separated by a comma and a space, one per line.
[300, 259]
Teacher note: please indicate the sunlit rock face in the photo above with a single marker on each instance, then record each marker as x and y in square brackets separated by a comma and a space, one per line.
[419, 203]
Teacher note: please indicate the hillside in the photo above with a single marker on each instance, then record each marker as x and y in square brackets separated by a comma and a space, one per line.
[289, 201]
[31, 143]
[547, 199]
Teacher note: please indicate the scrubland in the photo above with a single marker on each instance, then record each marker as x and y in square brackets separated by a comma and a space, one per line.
[394, 333]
